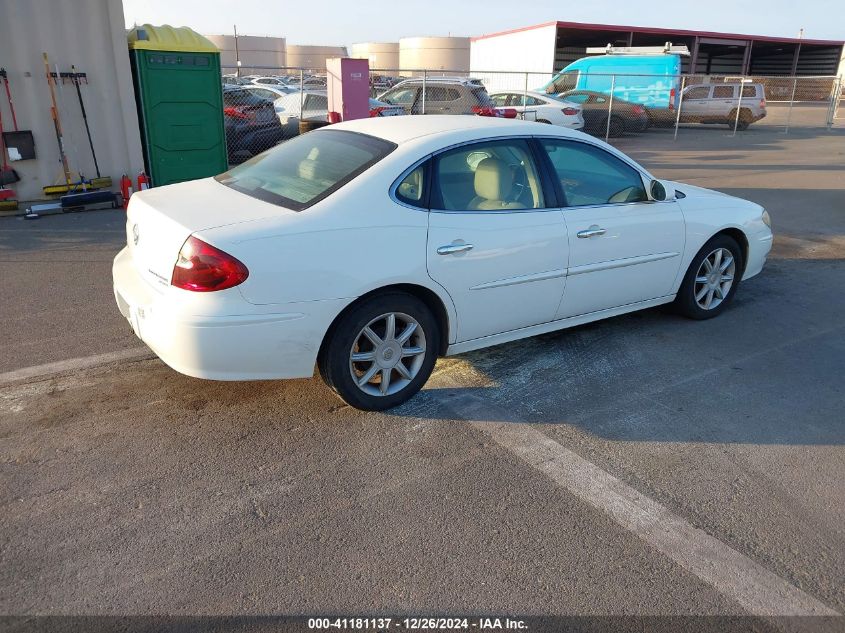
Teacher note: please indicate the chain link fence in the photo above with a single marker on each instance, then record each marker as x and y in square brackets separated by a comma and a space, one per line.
[275, 104]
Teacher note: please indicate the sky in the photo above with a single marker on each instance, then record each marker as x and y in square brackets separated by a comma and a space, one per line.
[344, 22]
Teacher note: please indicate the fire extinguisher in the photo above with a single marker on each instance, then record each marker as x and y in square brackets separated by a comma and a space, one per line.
[125, 189]
[143, 181]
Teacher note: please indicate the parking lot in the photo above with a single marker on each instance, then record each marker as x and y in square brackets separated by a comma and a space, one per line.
[644, 465]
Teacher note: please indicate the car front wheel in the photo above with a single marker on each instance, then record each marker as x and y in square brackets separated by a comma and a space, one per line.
[711, 280]
[381, 352]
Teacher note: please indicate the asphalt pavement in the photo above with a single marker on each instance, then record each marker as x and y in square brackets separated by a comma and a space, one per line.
[644, 465]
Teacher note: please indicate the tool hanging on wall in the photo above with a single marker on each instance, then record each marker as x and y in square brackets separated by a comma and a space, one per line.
[7, 174]
[57, 124]
[5, 78]
[77, 79]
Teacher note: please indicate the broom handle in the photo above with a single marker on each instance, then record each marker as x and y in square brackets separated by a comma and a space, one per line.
[54, 112]
[11, 105]
[85, 118]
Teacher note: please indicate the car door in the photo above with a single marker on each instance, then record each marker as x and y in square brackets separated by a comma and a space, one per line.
[442, 100]
[696, 102]
[495, 241]
[315, 107]
[405, 96]
[724, 100]
[623, 247]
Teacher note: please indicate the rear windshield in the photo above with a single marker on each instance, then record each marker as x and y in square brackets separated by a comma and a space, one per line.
[241, 98]
[482, 96]
[306, 169]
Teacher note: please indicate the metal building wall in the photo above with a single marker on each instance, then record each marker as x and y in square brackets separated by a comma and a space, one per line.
[89, 34]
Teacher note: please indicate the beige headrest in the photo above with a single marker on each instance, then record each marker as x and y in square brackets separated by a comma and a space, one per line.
[310, 169]
[493, 179]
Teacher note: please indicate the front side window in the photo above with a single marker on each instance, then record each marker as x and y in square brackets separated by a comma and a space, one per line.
[487, 176]
[403, 96]
[500, 100]
[306, 169]
[589, 175]
[700, 92]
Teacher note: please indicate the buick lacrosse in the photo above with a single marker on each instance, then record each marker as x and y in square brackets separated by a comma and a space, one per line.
[369, 248]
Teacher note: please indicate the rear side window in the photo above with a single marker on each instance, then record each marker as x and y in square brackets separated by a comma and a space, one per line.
[483, 98]
[749, 91]
[723, 92]
[441, 93]
[306, 169]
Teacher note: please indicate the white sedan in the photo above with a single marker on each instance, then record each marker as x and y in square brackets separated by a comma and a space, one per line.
[540, 107]
[371, 247]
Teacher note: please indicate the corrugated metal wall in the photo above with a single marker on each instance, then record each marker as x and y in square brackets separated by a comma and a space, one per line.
[89, 34]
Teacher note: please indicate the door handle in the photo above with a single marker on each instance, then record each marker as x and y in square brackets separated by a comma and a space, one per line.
[454, 248]
[593, 231]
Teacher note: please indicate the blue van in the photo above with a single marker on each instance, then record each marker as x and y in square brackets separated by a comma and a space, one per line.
[651, 80]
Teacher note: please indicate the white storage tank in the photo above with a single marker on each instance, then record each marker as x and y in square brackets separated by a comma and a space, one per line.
[257, 53]
[381, 55]
[312, 57]
[434, 53]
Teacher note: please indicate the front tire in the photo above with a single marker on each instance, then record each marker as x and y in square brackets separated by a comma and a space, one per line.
[712, 279]
[381, 352]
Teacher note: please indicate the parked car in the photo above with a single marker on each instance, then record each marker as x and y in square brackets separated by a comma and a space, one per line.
[543, 108]
[442, 95]
[718, 103]
[371, 247]
[624, 115]
[315, 108]
[250, 123]
[269, 81]
[271, 93]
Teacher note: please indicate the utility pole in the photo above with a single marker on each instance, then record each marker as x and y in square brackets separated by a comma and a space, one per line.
[237, 54]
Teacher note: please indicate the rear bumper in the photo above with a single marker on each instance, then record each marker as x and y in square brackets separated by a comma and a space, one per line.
[252, 344]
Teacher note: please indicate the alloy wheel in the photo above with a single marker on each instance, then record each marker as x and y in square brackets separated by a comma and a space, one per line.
[714, 278]
[387, 354]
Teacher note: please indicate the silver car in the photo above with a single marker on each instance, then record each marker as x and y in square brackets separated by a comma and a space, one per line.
[718, 103]
[442, 95]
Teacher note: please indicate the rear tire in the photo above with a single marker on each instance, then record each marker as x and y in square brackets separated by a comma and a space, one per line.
[712, 279]
[617, 127]
[547, 122]
[381, 352]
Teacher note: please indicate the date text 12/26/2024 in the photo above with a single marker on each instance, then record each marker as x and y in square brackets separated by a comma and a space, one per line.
[417, 624]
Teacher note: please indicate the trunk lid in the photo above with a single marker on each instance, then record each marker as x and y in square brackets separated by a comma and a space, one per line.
[159, 220]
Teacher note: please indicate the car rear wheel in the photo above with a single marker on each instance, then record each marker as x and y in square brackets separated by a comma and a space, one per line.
[711, 280]
[617, 126]
[381, 352]
[744, 121]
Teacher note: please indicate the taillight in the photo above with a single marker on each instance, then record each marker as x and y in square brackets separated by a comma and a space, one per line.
[637, 110]
[672, 99]
[570, 111]
[204, 268]
[483, 110]
[235, 113]
[762, 103]
[377, 111]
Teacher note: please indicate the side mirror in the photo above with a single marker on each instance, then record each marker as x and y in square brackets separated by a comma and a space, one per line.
[661, 190]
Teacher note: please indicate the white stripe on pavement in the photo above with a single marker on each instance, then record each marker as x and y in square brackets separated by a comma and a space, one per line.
[756, 589]
[75, 364]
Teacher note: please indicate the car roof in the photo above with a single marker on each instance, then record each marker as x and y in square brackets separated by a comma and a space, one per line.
[405, 128]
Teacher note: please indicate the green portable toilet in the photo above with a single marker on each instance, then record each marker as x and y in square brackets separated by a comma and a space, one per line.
[179, 94]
